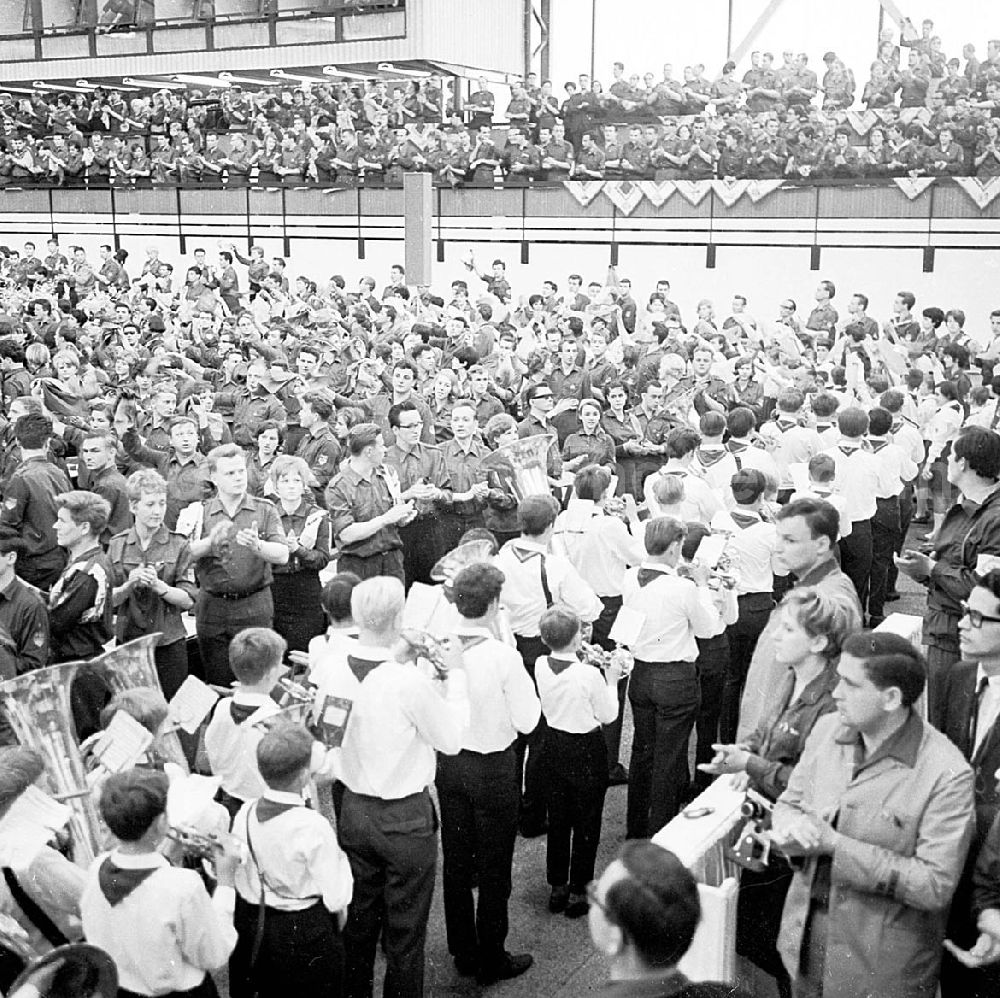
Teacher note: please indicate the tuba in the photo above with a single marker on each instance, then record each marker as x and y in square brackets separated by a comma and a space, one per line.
[37, 705]
[127, 666]
[526, 462]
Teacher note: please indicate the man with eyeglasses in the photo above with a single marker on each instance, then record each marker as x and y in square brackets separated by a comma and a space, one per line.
[971, 693]
[967, 543]
[423, 477]
[644, 910]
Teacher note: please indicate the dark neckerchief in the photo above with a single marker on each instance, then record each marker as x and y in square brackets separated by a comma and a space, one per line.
[239, 712]
[361, 667]
[117, 883]
[266, 809]
[647, 575]
[558, 665]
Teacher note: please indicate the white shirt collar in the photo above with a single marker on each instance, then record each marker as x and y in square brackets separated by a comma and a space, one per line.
[138, 861]
[250, 699]
[283, 797]
[981, 674]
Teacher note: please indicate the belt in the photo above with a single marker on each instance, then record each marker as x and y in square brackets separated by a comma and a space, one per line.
[235, 596]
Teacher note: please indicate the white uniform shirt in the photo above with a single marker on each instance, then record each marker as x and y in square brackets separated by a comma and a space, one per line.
[577, 699]
[799, 444]
[909, 437]
[167, 933]
[700, 503]
[715, 466]
[502, 699]
[857, 481]
[750, 547]
[599, 547]
[299, 854]
[523, 598]
[399, 719]
[895, 468]
[232, 747]
[675, 612]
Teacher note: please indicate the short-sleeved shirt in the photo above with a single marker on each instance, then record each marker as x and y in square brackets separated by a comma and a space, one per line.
[145, 612]
[350, 499]
[423, 462]
[238, 569]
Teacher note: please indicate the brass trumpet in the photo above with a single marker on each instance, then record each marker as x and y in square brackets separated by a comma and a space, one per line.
[602, 659]
[200, 845]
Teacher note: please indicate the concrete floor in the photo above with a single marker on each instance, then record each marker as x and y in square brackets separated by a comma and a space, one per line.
[565, 962]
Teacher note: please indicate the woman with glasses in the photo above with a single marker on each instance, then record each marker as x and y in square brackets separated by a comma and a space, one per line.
[811, 630]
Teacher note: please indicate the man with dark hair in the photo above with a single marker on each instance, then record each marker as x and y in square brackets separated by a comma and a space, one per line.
[967, 543]
[807, 531]
[97, 454]
[421, 476]
[318, 447]
[879, 814]
[479, 789]
[644, 913]
[24, 619]
[971, 693]
[365, 509]
[29, 505]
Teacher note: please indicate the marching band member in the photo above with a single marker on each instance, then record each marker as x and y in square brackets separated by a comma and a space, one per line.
[576, 700]
[479, 789]
[294, 884]
[387, 825]
[663, 688]
[158, 923]
[255, 657]
[601, 546]
[535, 579]
[700, 501]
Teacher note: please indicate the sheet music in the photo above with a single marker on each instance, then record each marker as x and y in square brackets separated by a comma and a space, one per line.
[122, 743]
[192, 703]
[627, 626]
[423, 603]
[28, 824]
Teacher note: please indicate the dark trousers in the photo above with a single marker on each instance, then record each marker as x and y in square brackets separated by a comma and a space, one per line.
[171, 666]
[528, 748]
[713, 669]
[758, 916]
[206, 989]
[577, 774]
[905, 516]
[886, 535]
[219, 620]
[755, 611]
[602, 627]
[392, 848]
[383, 563]
[664, 698]
[298, 615]
[939, 660]
[856, 557]
[301, 953]
[478, 795]
[420, 549]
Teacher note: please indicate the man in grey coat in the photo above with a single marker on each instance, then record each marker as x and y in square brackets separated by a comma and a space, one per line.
[877, 820]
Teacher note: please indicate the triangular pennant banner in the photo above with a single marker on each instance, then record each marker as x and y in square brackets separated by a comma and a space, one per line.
[624, 195]
[584, 190]
[757, 189]
[861, 121]
[729, 191]
[913, 187]
[983, 193]
[657, 193]
[693, 191]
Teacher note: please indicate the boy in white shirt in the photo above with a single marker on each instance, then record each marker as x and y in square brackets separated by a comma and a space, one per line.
[576, 701]
[255, 657]
[157, 922]
[296, 868]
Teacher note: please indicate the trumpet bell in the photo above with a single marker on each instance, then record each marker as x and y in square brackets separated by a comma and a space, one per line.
[445, 569]
[85, 968]
[526, 461]
[37, 705]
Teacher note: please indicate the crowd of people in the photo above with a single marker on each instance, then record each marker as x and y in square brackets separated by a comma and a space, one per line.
[698, 516]
[771, 122]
